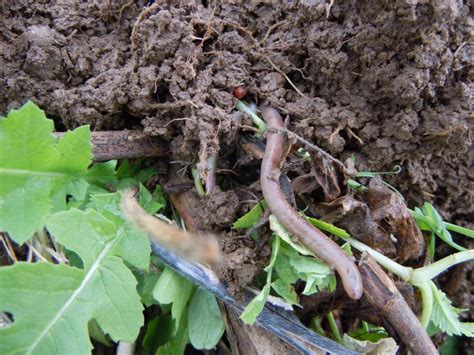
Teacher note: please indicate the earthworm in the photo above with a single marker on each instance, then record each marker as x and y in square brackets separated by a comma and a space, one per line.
[323, 247]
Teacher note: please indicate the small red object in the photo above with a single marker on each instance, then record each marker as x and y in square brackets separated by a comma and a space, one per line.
[240, 91]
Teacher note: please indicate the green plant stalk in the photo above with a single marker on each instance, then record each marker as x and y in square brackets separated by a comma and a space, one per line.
[401, 271]
[262, 126]
[396, 170]
[198, 183]
[450, 226]
[334, 329]
[432, 270]
[421, 277]
[355, 185]
[427, 300]
[458, 229]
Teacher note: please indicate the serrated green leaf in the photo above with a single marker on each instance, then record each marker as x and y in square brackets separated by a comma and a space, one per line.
[23, 210]
[205, 323]
[173, 288]
[285, 270]
[134, 246]
[74, 144]
[53, 304]
[255, 307]
[251, 217]
[445, 316]
[30, 156]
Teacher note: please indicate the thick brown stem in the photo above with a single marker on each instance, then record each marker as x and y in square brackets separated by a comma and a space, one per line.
[313, 238]
[123, 145]
[381, 291]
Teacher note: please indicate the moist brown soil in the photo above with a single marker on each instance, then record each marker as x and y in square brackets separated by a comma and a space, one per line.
[385, 82]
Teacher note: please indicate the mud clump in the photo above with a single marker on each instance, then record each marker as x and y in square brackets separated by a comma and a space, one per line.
[384, 82]
[388, 83]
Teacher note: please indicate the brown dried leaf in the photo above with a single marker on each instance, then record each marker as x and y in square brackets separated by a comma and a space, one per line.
[391, 214]
[328, 175]
[355, 216]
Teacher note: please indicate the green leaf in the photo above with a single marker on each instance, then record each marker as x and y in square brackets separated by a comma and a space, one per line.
[445, 316]
[103, 174]
[134, 246]
[175, 289]
[305, 265]
[146, 285]
[369, 332]
[177, 342]
[429, 219]
[285, 290]
[205, 322]
[275, 251]
[285, 270]
[278, 228]
[461, 230]
[96, 333]
[159, 331]
[152, 203]
[251, 217]
[53, 304]
[450, 346]
[255, 307]
[38, 171]
[328, 227]
[162, 337]
[23, 210]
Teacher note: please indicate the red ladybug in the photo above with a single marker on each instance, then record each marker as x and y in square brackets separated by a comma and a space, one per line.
[240, 91]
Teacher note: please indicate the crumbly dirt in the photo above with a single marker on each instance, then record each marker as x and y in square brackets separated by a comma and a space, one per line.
[387, 82]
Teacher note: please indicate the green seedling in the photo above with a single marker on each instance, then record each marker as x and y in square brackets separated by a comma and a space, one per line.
[198, 182]
[257, 120]
[429, 220]
[355, 185]
[290, 262]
